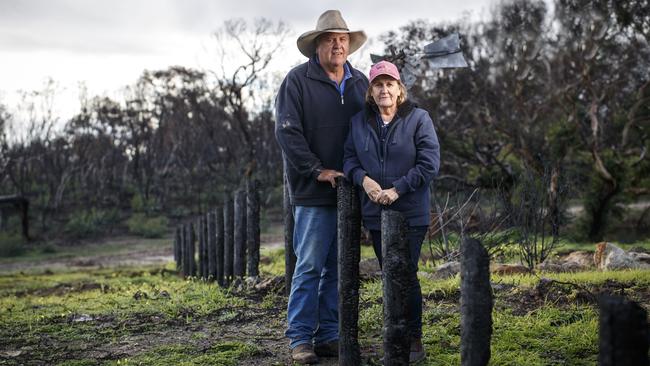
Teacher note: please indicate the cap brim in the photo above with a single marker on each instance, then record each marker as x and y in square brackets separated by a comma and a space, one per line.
[307, 41]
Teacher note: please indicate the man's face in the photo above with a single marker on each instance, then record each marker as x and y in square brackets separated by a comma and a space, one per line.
[333, 49]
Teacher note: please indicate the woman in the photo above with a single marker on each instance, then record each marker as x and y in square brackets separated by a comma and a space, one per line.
[392, 151]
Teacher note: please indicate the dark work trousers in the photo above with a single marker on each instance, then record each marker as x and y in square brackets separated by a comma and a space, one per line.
[415, 236]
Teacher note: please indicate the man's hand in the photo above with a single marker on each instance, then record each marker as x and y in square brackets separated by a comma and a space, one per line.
[329, 175]
[371, 187]
[387, 196]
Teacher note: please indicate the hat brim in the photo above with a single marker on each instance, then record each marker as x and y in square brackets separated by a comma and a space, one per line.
[307, 41]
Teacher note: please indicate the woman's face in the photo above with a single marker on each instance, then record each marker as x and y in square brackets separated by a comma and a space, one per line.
[384, 91]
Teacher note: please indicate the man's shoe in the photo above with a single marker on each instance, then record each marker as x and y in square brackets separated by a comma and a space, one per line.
[304, 354]
[327, 349]
[417, 353]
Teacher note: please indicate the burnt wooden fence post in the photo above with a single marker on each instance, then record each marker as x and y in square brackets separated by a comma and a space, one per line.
[348, 221]
[289, 255]
[206, 258]
[253, 227]
[239, 264]
[219, 250]
[228, 244]
[191, 253]
[189, 262]
[396, 282]
[201, 237]
[186, 248]
[178, 244]
[623, 332]
[475, 304]
[183, 251]
[212, 245]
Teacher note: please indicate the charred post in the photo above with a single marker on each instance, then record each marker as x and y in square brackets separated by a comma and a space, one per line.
[289, 255]
[475, 304]
[253, 227]
[219, 249]
[191, 252]
[396, 282]
[178, 245]
[201, 237]
[239, 264]
[348, 222]
[228, 243]
[212, 245]
[184, 265]
[623, 332]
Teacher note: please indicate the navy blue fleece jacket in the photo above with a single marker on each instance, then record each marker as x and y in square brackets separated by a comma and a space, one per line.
[408, 160]
[311, 124]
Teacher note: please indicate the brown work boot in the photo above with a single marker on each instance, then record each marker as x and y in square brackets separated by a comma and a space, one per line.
[417, 353]
[304, 354]
[327, 349]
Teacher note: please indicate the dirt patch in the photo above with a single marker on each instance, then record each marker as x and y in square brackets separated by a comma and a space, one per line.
[64, 289]
[562, 294]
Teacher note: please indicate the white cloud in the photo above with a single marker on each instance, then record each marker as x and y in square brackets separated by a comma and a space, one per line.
[108, 44]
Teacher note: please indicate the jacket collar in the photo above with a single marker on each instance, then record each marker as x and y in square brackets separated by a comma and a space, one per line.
[371, 110]
[315, 70]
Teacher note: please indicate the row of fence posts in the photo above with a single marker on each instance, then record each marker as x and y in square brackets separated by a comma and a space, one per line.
[230, 232]
[623, 324]
[228, 240]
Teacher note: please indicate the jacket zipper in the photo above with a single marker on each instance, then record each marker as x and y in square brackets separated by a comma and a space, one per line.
[389, 135]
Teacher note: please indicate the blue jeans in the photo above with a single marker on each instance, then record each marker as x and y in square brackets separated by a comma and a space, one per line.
[312, 312]
[414, 236]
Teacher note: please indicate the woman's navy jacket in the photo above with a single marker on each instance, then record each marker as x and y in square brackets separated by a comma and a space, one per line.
[409, 161]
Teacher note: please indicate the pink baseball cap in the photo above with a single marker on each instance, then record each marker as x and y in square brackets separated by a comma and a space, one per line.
[383, 68]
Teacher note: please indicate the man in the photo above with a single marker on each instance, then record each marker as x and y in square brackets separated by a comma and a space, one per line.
[313, 110]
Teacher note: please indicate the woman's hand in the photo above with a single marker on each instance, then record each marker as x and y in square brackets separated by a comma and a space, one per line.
[372, 188]
[387, 196]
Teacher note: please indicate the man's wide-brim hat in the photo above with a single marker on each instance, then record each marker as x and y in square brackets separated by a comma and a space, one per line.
[329, 21]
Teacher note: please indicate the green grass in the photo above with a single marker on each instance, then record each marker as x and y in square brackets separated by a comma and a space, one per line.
[150, 316]
[119, 246]
[220, 354]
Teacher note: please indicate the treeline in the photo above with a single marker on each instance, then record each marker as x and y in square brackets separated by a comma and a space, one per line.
[561, 96]
[557, 95]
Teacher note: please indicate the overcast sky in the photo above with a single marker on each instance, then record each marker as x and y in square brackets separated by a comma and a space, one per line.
[107, 44]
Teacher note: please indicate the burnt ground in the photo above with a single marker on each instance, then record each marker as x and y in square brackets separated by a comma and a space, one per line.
[262, 326]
